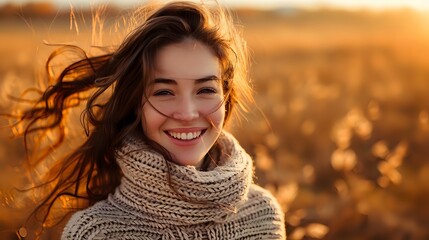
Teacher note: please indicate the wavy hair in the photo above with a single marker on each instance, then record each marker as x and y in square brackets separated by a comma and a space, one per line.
[90, 171]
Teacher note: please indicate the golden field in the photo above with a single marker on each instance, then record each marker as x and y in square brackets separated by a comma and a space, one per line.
[340, 132]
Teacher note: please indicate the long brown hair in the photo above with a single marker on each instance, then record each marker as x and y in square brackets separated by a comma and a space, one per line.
[90, 172]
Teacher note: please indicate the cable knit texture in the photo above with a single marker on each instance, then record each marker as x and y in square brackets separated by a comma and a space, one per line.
[222, 203]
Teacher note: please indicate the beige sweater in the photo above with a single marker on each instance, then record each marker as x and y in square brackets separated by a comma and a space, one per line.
[219, 204]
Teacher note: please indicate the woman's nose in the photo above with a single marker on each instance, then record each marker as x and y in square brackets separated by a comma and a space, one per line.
[186, 110]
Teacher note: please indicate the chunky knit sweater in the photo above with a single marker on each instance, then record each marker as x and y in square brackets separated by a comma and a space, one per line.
[222, 203]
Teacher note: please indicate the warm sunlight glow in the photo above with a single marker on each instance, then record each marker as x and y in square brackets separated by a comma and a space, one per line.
[339, 132]
[356, 4]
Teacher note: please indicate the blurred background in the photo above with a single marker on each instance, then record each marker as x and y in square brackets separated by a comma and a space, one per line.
[340, 132]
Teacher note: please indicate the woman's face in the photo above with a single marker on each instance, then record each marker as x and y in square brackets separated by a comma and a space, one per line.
[184, 110]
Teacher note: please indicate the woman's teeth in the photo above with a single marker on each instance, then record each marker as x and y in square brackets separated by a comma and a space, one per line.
[185, 136]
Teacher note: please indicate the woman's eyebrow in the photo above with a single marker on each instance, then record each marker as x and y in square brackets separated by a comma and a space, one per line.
[164, 81]
[174, 82]
[207, 79]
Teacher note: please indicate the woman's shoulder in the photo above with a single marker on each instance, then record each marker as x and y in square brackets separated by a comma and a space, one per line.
[260, 196]
[263, 209]
[93, 222]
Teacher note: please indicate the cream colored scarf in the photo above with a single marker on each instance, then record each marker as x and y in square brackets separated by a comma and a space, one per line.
[198, 197]
[218, 204]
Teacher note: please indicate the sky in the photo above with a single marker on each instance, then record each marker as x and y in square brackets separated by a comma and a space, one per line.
[367, 4]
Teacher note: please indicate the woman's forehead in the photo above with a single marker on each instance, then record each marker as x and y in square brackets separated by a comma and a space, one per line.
[189, 59]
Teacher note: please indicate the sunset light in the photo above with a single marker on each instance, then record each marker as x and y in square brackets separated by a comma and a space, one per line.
[419, 5]
[338, 132]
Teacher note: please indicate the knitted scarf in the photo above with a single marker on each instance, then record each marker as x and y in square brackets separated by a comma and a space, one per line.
[193, 197]
[158, 199]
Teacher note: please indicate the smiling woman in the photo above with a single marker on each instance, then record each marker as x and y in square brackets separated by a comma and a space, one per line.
[157, 162]
[185, 115]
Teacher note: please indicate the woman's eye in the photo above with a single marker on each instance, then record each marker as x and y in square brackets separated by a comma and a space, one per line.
[207, 91]
[163, 93]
